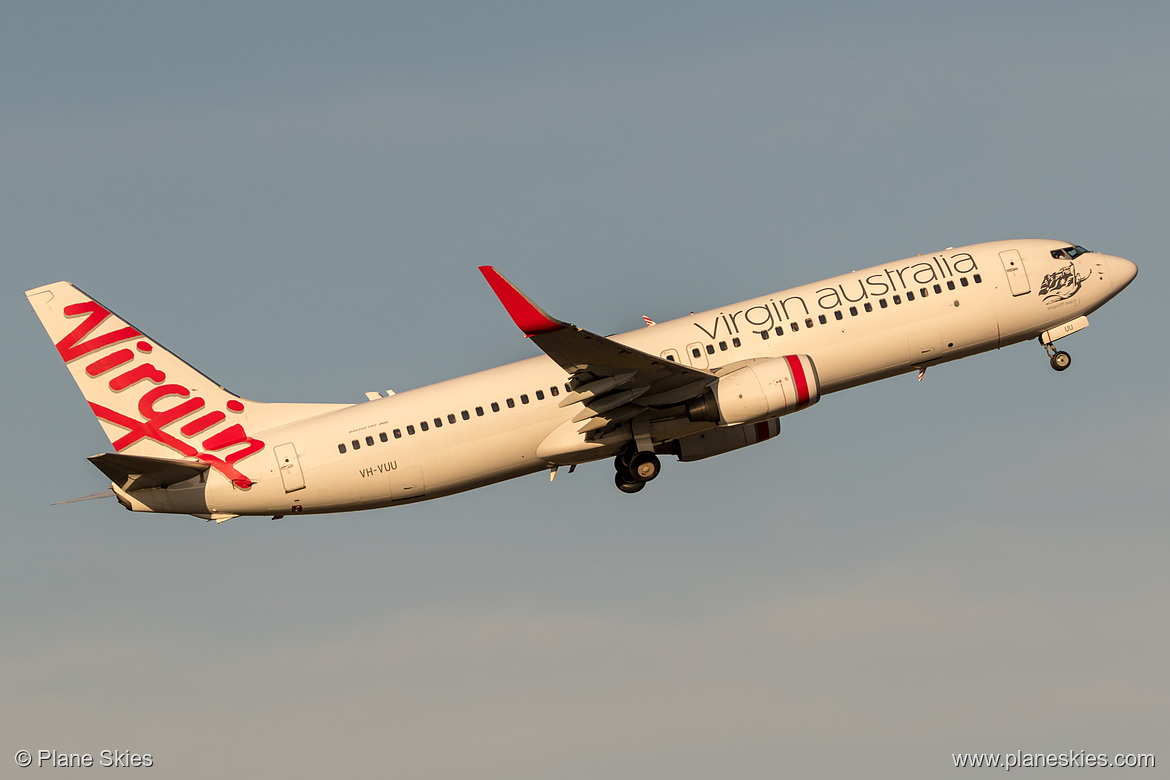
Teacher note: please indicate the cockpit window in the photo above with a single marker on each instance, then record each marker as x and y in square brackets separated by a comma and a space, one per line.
[1069, 252]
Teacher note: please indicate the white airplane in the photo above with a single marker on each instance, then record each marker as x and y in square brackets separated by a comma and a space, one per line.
[693, 387]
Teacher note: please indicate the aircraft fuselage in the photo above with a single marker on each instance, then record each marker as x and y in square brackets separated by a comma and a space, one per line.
[509, 421]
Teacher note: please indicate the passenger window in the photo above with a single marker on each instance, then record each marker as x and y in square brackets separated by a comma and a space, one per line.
[369, 441]
[357, 445]
[539, 395]
[764, 335]
[882, 303]
[735, 342]
[465, 415]
[897, 300]
[422, 426]
[511, 403]
[397, 433]
[451, 418]
[382, 436]
[479, 411]
[710, 349]
[821, 319]
[909, 295]
[696, 352]
[808, 322]
[963, 281]
[495, 406]
[950, 285]
[938, 288]
[555, 392]
[852, 311]
[524, 398]
[868, 306]
[978, 279]
[341, 448]
[438, 422]
[723, 345]
[410, 430]
[839, 315]
[794, 326]
[670, 358]
[924, 292]
[779, 330]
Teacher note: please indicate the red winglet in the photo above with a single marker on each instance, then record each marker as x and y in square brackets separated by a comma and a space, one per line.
[529, 317]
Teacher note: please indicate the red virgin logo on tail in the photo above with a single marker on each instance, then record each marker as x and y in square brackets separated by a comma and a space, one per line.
[128, 370]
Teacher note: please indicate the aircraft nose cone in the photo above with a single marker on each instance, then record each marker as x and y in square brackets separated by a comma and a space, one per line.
[1122, 272]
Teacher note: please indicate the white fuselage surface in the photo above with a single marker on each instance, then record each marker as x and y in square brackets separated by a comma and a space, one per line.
[695, 386]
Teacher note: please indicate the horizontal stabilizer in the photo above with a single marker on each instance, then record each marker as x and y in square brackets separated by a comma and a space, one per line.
[138, 472]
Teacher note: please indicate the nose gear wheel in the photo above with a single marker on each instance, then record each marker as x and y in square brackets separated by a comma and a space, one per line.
[1058, 359]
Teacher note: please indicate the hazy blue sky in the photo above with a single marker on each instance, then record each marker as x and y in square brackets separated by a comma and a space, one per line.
[294, 198]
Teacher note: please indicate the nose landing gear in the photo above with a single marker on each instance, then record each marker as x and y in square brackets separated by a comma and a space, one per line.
[635, 468]
[1059, 360]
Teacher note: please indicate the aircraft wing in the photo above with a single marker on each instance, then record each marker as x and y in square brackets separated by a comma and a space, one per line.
[614, 381]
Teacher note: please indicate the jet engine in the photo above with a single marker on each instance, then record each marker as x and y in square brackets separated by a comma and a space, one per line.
[768, 388]
[720, 440]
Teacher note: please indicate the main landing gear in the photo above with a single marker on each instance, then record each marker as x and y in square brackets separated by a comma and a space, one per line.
[1059, 360]
[635, 468]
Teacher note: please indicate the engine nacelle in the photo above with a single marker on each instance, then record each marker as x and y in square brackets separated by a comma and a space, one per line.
[720, 440]
[769, 388]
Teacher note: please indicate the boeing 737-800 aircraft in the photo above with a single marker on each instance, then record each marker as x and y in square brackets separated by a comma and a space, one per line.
[694, 387]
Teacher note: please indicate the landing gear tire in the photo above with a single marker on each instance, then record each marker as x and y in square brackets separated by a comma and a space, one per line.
[644, 466]
[622, 461]
[1061, 360]
[627, 487]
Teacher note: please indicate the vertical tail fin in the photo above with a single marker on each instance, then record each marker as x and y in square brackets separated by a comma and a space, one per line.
[148, 401]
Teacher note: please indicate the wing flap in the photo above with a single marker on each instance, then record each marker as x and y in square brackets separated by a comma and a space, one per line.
[605, 419]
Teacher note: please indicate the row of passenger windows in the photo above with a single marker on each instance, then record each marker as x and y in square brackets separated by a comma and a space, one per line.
[823, 319]
[451, 419]
[735, 342]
